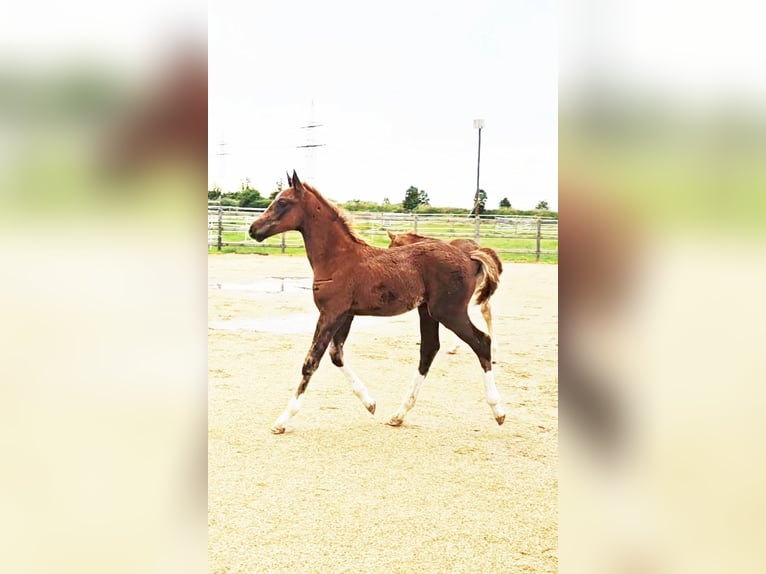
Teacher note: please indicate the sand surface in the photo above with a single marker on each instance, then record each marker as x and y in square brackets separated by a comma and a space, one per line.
[340, 491]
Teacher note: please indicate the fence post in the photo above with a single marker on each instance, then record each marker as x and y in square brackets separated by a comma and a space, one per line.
[220, 226]
[538, 241]
[415, 219]
[283, 243]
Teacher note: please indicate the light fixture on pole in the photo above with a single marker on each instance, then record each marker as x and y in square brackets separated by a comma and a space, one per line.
[479, 125]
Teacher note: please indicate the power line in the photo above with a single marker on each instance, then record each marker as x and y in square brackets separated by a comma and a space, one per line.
[310, 146]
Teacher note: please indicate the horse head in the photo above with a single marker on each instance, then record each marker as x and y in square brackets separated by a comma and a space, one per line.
[285, 213]
[397, 240]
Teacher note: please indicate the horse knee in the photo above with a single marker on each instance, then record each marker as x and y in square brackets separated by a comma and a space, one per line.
[336, 355]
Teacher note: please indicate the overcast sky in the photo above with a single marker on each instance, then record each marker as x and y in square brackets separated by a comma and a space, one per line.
[396, 87]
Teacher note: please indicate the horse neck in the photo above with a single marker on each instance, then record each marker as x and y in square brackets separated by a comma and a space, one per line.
[328, 242]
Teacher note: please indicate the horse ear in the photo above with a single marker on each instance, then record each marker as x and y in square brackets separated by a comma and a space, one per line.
[289, 179]
[390, 235]
[296, 183]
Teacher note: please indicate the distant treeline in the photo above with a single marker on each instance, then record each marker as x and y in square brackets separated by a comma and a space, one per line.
[253, 198]
[358, 205]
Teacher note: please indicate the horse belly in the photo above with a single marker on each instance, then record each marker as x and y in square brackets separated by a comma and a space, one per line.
[389, 296]
[386, 310]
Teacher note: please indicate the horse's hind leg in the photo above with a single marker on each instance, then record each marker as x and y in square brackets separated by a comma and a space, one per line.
[325, 329]
[429, 346]
[486, 312]
[336, 355]
[461, 325]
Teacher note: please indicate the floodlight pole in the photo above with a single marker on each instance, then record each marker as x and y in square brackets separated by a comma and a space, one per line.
[477, 124]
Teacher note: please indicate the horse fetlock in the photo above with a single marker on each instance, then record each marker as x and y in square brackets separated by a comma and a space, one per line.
[293, 406]
[493, 397]
[498, 412]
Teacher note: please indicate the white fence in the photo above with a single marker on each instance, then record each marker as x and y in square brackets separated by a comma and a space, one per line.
[506, 234]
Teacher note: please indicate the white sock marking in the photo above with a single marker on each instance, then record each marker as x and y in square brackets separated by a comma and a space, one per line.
[409, 400]
[357, 386]
[493, 397]
[293, 406]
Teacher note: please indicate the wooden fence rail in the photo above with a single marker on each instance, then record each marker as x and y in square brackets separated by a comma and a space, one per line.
[228, 226]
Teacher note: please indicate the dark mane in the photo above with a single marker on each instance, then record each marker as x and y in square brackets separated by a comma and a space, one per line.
[339, 214]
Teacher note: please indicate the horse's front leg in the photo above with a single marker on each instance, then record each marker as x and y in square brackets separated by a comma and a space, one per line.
[336, 355]
[326, 327]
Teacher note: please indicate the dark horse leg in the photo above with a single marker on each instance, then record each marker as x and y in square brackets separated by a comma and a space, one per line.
[336, 355]
[429, 346]
[486, 312]
[460, 324]
[326, 328]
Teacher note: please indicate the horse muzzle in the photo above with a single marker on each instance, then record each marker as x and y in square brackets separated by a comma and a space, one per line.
[259, 232]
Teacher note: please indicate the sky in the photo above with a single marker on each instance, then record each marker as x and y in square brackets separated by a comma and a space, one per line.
[396, 87]
[685, 53]
[116, 36]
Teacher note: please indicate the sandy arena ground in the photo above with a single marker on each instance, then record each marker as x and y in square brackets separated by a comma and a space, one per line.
[449, 491]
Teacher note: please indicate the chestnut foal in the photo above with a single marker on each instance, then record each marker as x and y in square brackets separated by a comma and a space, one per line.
[468, 246]
[353, 278]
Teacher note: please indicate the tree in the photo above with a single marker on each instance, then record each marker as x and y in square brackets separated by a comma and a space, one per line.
[505, 203]
[542, 205]
[481, 202]
[250, 198]
[277, 191]
[414, 197]
[247, 196]
[214, 193]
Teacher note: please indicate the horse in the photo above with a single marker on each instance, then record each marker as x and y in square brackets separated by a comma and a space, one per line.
[354, 278]
[468, 246]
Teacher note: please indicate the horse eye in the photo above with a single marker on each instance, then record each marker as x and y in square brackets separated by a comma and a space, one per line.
[281, 203]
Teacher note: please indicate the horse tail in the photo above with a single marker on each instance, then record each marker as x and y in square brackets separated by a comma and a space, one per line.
[493, 254]
[490, 269]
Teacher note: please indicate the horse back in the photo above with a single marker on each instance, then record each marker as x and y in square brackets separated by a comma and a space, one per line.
[397, 280]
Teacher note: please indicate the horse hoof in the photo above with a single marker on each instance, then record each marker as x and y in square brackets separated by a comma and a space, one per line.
[371, 408]
[500, 420]
[277, 430]
[394, 422]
